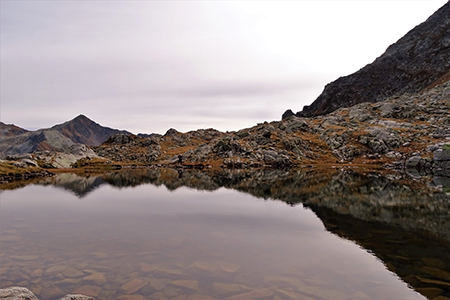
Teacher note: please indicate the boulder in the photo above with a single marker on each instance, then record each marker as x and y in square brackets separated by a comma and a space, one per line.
[17, 293]
[21, 293]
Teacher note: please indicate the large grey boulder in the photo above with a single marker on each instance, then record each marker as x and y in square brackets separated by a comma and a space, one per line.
[21, 293]
[441, 157]
[17, 293]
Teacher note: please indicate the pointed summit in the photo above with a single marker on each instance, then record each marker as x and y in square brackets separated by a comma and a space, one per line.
[419, 60]
[83, 130]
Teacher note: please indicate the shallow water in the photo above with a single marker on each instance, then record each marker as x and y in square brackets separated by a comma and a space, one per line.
[147, 242]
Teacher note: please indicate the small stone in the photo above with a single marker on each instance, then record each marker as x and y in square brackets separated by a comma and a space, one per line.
[134, 285]
[323, 293]
[131, 297]
[88, 290]
[72, 273]
[223, 289]
[228, 267]
[147, 268]
[54, 270]
[37, 273]
[290, 281]
[157, 284]
[255, 294]
[189, 284]
[205, 266]
[98, 278]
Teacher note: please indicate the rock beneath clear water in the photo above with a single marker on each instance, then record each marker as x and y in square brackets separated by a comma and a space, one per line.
[76, 297]
[134, 285]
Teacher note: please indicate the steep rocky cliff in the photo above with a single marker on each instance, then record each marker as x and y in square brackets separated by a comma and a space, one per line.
[419, 60]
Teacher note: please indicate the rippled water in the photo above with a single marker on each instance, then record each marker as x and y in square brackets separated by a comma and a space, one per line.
[146, 242]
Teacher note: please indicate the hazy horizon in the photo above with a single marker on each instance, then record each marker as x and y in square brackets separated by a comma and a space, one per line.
[147, 66]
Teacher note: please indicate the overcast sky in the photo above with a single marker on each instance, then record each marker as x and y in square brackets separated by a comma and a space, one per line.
[147, 66]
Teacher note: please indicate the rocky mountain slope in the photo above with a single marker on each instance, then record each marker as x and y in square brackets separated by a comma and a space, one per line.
[419, 60]
[59, 146]
[83, 130]
[10, 130]
[392, 131]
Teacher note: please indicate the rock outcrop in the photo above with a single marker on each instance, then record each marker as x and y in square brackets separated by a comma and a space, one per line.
[419, 60]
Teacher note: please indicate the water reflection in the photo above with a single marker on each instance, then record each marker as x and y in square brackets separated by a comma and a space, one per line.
[404, 224]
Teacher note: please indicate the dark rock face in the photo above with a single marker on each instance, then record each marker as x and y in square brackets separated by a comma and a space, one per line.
[85, 131]
[419, 60]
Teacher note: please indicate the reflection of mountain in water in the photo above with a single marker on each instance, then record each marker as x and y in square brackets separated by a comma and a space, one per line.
[79, 185]
[412, 205]
[404, 223]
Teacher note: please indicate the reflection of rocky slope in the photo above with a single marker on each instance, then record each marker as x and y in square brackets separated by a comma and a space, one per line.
[420, 59]
[417, 259]
[411, 205]
[79, 185]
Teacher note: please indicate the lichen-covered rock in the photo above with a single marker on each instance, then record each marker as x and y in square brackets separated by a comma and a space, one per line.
[17, 293]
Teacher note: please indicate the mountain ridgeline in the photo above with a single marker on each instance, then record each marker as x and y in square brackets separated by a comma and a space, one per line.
[419, 60]
[85, 131]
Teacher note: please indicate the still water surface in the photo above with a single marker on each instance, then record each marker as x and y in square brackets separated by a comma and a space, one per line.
[146, 242]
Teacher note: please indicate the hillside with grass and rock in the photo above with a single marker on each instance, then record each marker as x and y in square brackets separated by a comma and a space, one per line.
[393, 113]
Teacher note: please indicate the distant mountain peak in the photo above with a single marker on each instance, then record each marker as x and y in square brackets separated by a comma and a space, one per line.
[419, 60]
[83, 130]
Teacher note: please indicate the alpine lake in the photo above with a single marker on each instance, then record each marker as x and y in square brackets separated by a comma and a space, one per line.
[204, 234]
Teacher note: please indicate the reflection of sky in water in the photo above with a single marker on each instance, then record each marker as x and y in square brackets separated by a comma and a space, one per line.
[263, 237]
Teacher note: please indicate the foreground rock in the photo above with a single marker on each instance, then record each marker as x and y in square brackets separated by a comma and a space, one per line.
[21, 293]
